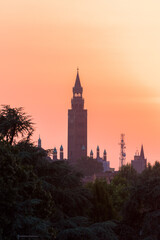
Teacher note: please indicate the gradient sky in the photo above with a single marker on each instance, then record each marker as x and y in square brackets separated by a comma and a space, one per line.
[115, 44]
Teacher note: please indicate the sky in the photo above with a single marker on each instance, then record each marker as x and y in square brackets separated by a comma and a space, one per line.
[115, 44]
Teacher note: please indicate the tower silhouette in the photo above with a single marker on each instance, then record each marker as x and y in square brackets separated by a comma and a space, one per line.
[91, 154]
[105, 155]
[77, 124]
[55, 154]
[98, 152]
[61, 152]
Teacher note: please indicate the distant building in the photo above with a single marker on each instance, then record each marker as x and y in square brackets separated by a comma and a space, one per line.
[140, 162]
[105, 163]
[77, 124]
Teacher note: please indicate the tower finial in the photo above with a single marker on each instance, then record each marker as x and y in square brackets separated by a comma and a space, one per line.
[78, 69]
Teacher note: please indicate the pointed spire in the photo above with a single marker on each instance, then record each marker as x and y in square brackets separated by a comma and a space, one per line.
[55, 154]
[105, 155]
[39, 142]
[91, 154]
[55, 150]
[142, 152]
[61, 152]
[77, 87]
[97, 152]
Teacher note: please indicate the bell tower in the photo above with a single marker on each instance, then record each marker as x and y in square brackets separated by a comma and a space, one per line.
[77, 124]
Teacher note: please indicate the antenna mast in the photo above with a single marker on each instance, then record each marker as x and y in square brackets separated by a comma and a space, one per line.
[122, 157]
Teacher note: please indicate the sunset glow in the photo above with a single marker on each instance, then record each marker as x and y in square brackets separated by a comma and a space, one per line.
[115, 44]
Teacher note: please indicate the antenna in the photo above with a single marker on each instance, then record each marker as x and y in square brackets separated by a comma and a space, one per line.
[122, 157]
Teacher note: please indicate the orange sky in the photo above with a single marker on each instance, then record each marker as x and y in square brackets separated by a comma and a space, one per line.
[116, 46]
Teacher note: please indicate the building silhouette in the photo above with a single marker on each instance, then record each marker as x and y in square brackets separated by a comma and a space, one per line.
[77, 132]
[140, 162]
[104, 161]
[77, 124]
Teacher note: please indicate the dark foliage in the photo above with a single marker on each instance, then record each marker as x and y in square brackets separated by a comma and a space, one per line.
[102, 208]
[14, 122]
[126, 232]
[22, 199]
[119, 194]
[98, 231]
[142, 211]
[46, 198]
[128, 172]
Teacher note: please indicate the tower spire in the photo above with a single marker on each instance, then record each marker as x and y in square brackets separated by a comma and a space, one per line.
[77, 124]
[39, 142]
[142, 152]
[77, 89]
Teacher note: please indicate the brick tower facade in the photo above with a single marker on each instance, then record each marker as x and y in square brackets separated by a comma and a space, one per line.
[77, 124]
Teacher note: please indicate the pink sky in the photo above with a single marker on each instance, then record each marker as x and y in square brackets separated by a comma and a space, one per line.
[116, 46]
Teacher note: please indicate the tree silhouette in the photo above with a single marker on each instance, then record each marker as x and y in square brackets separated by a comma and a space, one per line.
[13, 123]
